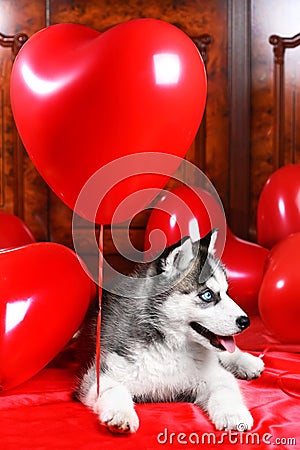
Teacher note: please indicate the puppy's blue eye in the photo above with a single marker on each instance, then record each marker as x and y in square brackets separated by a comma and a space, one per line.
[206, 296]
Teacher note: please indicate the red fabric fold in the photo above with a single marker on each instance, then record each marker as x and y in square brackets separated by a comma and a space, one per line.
[40, 414]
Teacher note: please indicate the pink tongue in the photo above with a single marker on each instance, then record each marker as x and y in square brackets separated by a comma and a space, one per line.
[228, 343]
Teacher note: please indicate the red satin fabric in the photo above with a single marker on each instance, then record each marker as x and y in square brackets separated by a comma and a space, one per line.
[40, 414]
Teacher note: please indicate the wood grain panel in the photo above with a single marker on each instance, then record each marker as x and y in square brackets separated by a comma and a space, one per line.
[11, 153]
[22, 190]
[7, 137]
[239, 84]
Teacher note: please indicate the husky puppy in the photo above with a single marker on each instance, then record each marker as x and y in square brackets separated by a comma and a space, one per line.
[170, 339]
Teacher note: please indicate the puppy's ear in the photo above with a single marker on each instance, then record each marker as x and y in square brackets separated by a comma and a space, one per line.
[177, 257]
[208, 242]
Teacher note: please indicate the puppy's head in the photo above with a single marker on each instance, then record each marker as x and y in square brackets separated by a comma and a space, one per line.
[198, 305]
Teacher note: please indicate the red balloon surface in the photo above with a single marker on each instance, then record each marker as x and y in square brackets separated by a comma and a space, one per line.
[140, 87]
[278, 212]
[245, 264]
[171, 217]
[170, 220]
[13, 232]
[279, 301]
[173, 214]
[45, 294]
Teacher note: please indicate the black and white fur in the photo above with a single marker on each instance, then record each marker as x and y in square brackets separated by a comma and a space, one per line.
[165, 342]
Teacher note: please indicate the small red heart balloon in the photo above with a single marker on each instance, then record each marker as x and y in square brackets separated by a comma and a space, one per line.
[13, 232]
[279, 301]
[82, 99]
[245, 264]
[278, 212]
[45, 294]
[171, 220]
[175, 213]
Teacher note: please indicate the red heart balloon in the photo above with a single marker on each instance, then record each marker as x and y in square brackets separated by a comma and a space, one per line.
[13, 232]
[170, 221]
[45, 294]
[82, 99]
[279, 302]
[278, 212]
[175, 212]
[245, 263]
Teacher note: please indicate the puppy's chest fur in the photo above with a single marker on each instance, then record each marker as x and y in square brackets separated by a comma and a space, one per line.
[161, 373]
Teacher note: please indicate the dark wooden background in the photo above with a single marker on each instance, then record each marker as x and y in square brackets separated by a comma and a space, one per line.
[236, 147]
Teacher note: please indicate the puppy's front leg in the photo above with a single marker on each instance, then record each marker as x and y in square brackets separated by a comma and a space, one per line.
[243, 365]
[222, 400]
[114, 406]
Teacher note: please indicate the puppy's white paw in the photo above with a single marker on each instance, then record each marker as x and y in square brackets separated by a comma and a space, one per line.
[242, 365]
[120, 421]
[114, 407]
[238, 418]
[249, 367]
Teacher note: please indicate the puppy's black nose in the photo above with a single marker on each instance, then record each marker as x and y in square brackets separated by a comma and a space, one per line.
[243, 322]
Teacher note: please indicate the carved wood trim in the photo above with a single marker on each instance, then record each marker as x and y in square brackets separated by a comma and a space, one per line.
[202, 42]
[15, 42]
[280, 44]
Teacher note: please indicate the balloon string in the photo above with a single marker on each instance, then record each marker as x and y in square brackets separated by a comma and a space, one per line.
[100, 284]
[285, 389]
[291, 348]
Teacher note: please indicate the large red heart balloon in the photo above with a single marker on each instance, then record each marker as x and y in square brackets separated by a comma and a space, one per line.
[279, 300]
[278, 212]
[45, 294]
[82, 99]
[13, 232]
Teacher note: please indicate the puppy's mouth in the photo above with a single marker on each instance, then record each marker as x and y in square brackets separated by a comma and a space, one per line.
[220, 342]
